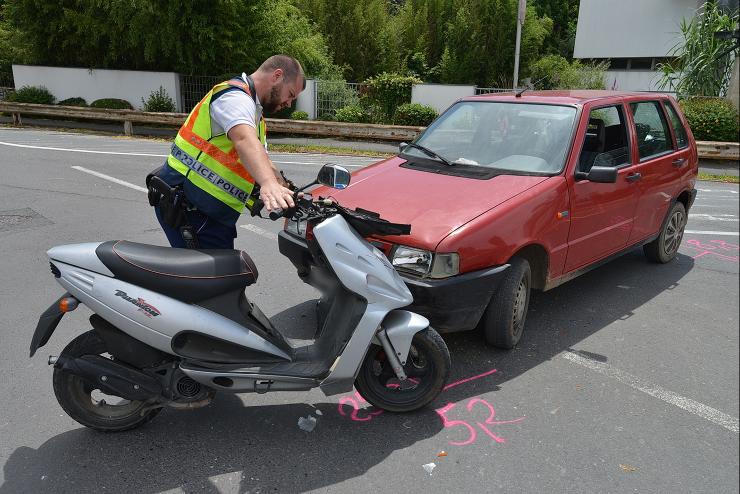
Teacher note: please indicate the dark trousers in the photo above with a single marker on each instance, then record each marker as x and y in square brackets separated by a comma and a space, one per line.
[211, 234]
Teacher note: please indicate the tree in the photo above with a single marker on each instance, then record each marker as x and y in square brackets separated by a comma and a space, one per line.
[703, 62]
[185, 35]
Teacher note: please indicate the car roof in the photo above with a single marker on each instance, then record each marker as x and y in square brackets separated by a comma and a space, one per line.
[563, 97]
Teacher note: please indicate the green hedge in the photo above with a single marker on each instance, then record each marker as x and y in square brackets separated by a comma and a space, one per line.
[299, 115]
[711, 119]
[32, 94]
[389, 91]
[77, 101]
[414, 114]
[352, 114]
[112, 104]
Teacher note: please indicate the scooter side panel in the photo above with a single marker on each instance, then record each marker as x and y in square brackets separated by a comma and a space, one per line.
[81, 255]
[152, 317]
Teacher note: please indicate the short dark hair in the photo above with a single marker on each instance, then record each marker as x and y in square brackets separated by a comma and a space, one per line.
[290, 66]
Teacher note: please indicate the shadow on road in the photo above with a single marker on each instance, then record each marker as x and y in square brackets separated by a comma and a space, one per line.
[260, 446]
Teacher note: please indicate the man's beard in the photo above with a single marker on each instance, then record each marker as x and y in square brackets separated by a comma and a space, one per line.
[273, 101]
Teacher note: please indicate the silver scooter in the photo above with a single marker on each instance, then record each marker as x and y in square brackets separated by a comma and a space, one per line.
[173, 326]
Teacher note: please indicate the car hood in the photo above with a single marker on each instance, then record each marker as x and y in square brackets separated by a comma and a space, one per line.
[434, 205]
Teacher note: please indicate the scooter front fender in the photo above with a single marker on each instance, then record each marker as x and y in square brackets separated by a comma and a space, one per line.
[401, 326]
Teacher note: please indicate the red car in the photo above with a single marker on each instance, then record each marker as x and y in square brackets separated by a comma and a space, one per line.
[512, 192]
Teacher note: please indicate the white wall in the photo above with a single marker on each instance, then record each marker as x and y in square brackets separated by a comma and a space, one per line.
[306, 101]
[128, 85]
[632, 80]
[630, 28]
[439, 96]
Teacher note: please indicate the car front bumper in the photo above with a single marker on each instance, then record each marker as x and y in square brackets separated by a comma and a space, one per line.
[451, 304]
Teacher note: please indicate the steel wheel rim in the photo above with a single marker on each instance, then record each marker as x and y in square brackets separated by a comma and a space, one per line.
[520, 305]
[673, 233]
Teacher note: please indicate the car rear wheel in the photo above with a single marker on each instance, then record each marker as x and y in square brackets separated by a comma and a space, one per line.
[503, 320]
[664, 248]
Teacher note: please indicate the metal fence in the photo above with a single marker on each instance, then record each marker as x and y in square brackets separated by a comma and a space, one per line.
[490, 90]
[194, 87]
[333, 95]
[7, 85]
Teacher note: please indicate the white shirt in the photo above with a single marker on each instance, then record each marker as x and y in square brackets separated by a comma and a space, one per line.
[234, 108]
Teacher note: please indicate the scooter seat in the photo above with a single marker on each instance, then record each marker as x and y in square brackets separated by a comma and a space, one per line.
[190, 275]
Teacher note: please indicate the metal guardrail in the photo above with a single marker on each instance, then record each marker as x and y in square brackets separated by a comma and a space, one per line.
[726, 151]
[130, 117]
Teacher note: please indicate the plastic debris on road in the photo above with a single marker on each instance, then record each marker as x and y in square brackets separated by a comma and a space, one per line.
[429, 467]
[442, 453]
[307, 423]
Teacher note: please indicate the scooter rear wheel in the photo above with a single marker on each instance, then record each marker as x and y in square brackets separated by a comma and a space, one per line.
[88, 405]
[427, 368]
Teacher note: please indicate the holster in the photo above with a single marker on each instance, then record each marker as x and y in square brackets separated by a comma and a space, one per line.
[172, 205]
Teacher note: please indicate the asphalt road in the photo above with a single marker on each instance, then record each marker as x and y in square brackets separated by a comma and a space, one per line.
[625, 380]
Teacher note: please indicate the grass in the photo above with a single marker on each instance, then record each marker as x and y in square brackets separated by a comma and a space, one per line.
[710, 177]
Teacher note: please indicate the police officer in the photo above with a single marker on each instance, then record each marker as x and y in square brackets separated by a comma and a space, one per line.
[220, 154]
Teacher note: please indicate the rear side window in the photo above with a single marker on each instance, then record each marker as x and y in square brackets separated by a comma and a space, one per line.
[653, 136]
[606, 141]
[682, 139]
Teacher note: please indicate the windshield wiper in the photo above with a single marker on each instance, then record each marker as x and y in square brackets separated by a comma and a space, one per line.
[429, 153]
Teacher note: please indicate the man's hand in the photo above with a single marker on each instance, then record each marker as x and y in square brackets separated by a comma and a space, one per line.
[275, 196]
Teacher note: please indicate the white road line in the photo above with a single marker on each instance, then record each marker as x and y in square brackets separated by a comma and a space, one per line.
[715, 217]
[89, 151]
[713, 415]
[81, 150]
[260, 231]
[704, 232]
[111, 179]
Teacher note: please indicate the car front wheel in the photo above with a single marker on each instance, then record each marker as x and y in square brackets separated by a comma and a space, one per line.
[503, 321]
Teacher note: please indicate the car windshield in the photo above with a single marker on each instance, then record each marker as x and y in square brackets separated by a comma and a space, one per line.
[517, 137]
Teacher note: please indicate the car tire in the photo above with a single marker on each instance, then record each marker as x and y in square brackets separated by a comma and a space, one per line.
[503, 321]
[664, 248]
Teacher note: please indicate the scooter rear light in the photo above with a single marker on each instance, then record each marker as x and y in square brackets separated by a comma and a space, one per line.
[68, 304]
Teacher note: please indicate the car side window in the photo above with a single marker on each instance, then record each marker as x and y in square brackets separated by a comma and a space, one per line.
[653, 136]
[682, 139]
[606, 142]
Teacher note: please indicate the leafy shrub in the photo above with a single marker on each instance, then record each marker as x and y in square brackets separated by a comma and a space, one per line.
[334, 94]
[299, 115]
[32, 94]
[414, 114]
[388, 91]
[352, 114]
[711, 119]
[76, 101]
[555, 72]
[159, 101]
[112, 104]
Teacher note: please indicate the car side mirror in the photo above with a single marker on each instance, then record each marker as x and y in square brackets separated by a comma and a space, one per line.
[402, 146]
[333, 176]
[600, 174]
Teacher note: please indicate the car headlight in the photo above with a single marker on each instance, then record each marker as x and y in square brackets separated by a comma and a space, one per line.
[425, 263]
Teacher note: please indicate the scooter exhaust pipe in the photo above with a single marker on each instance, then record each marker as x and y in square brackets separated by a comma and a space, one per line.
[109, 376]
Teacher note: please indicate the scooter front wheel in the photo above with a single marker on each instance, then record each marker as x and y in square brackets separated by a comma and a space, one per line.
[427, 368]
[88, 405]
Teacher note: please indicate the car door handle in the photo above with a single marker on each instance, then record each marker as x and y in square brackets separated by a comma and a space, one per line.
[678, 163]
[634, 177]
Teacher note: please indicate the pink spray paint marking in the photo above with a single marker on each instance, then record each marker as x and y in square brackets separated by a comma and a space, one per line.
[357, 400]
[716, 248]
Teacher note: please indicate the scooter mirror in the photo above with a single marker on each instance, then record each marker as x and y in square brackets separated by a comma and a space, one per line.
[333, 176]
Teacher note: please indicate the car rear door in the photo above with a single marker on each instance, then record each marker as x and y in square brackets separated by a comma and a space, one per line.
[663, 156]
[602, 214]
